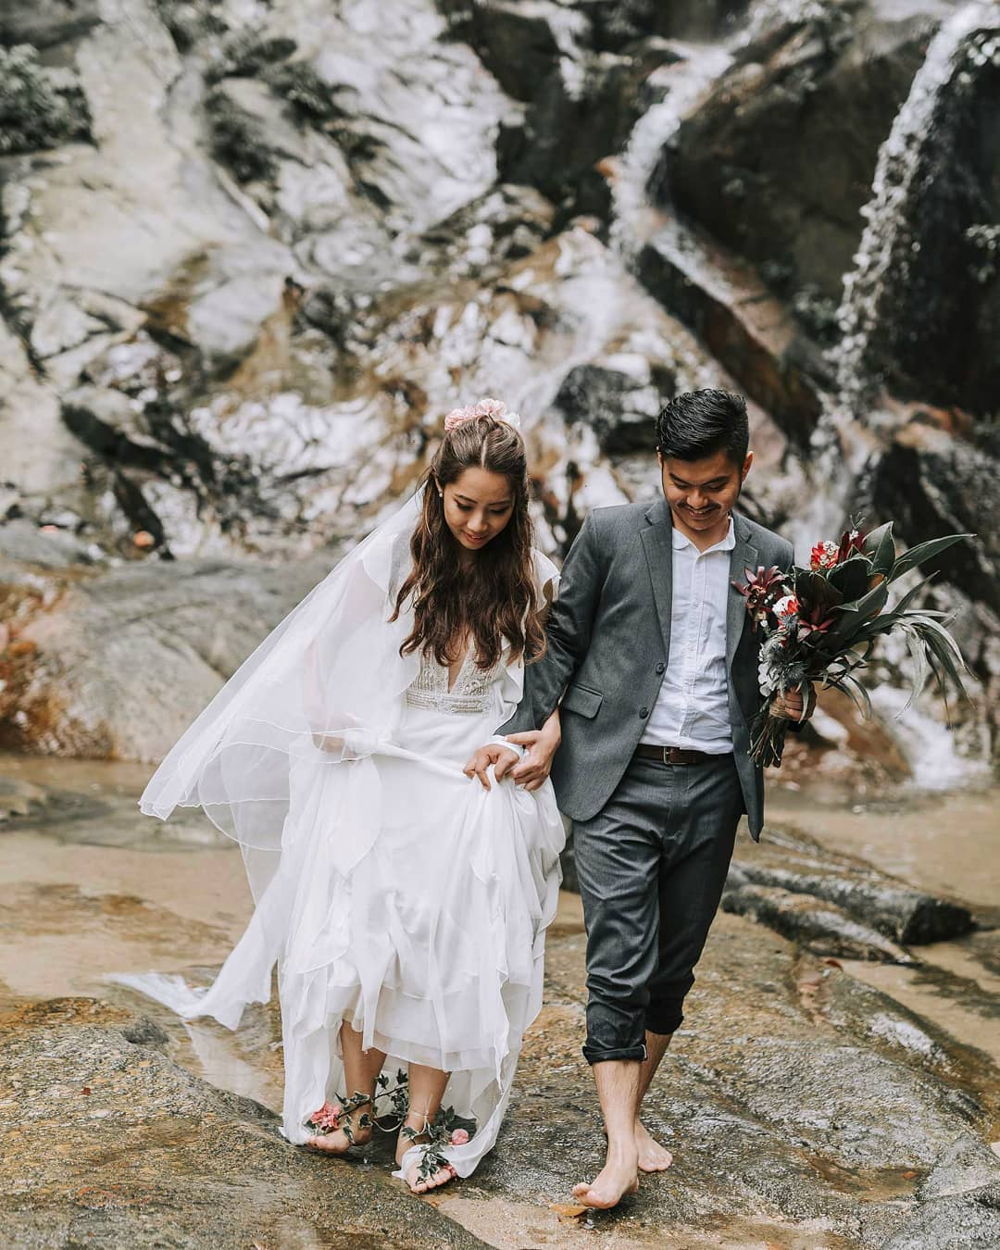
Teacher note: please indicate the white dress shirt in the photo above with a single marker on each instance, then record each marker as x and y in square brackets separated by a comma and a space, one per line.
[692, 707]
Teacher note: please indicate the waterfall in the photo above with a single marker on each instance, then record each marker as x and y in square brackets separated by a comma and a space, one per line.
[882, 254]
[685, 81]
[842, 446]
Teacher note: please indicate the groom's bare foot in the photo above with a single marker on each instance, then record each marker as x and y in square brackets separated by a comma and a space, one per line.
[618, 1177]
[652, 1156]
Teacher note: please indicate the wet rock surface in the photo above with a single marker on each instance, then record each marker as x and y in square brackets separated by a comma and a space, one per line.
[806, 1109]
[157, 1157]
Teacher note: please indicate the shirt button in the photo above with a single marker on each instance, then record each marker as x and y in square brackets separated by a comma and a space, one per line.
[661, 667]
[644, 712]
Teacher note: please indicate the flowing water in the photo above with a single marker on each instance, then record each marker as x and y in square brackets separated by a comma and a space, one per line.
[879, 264]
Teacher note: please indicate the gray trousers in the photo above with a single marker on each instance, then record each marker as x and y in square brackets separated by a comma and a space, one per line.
[652, 864]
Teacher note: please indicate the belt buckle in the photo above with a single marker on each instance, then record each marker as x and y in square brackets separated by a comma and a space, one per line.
[668, 755]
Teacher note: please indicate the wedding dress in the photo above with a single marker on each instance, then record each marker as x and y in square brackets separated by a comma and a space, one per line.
[391, 891]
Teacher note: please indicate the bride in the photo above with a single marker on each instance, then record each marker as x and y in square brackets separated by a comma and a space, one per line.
[403, 899]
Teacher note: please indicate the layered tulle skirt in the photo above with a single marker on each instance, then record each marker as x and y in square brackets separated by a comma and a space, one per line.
[409, 902]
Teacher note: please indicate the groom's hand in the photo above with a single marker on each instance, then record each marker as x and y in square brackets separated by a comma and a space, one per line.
[536, 764]
[493, 753]
[795, 706]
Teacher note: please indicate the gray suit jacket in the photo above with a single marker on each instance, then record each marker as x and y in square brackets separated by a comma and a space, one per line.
[608, 645]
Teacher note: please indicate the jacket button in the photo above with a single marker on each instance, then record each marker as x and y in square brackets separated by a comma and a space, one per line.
[644, 712]
[661, 667]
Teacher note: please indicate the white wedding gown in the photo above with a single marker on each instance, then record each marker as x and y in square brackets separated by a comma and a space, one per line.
[405, 899]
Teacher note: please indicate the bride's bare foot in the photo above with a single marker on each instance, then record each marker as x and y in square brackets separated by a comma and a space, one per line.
[343, 1129]
[652, 1156]
[618, 1177]
[421, 1184]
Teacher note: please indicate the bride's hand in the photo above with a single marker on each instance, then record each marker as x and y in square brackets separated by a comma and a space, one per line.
[493, 753]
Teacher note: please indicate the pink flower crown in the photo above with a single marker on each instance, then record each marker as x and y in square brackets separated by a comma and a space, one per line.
[494, 408]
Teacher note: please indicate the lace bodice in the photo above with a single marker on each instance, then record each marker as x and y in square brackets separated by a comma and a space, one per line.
[469, 694]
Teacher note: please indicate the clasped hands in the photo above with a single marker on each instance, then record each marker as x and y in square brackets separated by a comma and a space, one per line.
[529, 770]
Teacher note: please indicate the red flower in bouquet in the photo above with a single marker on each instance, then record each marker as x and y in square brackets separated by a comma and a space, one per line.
[762, 591]
[824, 555]
[852, 542]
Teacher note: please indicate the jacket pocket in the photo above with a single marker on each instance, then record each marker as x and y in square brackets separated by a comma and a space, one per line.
[583, 701]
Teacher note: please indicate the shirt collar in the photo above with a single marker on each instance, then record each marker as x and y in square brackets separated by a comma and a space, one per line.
[680, 541]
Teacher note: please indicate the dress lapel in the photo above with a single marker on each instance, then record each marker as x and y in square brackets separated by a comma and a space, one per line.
[744, 556]
[656, 542]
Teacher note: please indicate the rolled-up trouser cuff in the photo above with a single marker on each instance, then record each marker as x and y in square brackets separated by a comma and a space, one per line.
[594, 1054]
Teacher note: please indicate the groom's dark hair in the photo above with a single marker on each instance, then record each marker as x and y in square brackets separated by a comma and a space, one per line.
[700, 423]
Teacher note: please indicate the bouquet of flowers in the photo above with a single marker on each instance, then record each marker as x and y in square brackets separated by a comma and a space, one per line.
[820, 624]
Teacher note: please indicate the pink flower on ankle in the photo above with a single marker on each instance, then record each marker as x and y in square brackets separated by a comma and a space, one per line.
[328, 1116]
[459, 1137]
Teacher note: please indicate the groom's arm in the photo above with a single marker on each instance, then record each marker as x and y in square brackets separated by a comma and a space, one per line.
[568, 632]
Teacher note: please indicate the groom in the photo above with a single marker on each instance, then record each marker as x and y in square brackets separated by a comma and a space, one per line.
[653, 665]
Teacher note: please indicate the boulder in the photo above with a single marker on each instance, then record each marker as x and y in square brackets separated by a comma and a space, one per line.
[118, 663]
[818, 926]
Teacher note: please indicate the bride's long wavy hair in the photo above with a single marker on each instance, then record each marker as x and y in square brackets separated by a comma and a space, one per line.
[493, 599]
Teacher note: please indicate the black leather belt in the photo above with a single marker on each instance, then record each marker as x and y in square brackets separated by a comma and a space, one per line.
[673, 755]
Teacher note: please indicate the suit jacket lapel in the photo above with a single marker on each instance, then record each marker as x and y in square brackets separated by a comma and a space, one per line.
[657, 544]
[744, 556]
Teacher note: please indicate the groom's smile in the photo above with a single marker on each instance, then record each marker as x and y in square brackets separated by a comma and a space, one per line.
[702, 493]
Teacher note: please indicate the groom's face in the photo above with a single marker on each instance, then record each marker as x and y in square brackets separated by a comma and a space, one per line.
[702, 493]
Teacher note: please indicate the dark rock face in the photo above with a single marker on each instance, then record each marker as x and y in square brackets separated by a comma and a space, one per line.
[723, 300]
[937, 313]
[619, 407]
[824, 92]
[616, 23]
[934, 482]
[45, 23]
[578, 115]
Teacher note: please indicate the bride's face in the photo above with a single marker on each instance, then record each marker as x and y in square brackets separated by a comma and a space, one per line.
[478, 505]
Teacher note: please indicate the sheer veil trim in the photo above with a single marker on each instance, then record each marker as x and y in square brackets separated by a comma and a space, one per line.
[322, 689]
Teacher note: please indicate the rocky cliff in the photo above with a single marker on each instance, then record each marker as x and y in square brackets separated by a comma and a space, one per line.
[252, 252]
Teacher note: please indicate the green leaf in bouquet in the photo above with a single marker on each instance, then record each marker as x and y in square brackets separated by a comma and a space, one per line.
[879, 545]
[850, 685]
[924, 551]
[814, 591]
[851, 577]
[853, 617]
[943, 653]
